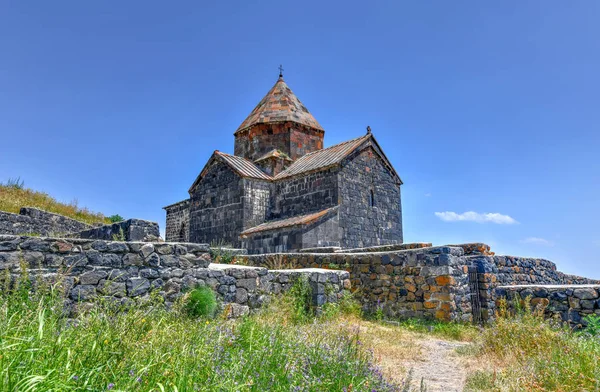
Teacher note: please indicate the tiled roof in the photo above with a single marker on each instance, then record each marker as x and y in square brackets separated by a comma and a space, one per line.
[280, 104]
[274, 154]
[323, 158]
[299, 220]
[242, 166]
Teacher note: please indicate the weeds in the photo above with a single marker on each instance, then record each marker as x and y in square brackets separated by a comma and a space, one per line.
[120, 236]
[151, 349]
[15, 183]
[220, 252]
[536, 354]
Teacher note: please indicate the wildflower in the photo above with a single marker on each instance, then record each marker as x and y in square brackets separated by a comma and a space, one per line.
[75, 378]
[110, 386]
[143, 320]
[131, 373]
[105, 341]
[207, 322]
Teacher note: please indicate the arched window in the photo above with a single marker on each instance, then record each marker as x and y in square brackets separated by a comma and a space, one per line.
[372, 198]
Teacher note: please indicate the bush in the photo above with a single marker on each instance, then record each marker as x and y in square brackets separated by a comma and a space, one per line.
[116, 218]
[201, 302]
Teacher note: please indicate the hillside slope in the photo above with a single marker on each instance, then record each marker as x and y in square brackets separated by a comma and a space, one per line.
[15, 196]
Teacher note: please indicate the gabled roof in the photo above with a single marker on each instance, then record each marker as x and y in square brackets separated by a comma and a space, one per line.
[242, 166]
[299, 220]
[331, 156]
[280, 104]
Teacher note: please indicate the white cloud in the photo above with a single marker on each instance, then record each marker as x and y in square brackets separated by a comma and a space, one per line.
[472, 216]
[537, 241]
[428, 195]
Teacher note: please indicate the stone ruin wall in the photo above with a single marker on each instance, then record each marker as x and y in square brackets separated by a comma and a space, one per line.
[123, 271]
[130, 229]
[34, 221]
[178, 222]
[429, 283]
[565, 303]
[458, 282]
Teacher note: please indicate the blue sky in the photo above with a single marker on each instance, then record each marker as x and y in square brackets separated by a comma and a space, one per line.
[482, 107]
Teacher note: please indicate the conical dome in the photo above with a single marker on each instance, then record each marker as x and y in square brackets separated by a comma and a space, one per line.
[280, 105]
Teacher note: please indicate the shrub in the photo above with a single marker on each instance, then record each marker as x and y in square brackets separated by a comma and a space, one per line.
[301, 297]
[593, 324]
[116, 218]
[119, 237]
[201, 302]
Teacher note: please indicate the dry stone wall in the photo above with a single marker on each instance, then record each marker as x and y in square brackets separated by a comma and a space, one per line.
[123, 271]
[566, 303]
[131, 229]
[430, 283]
[33, 220]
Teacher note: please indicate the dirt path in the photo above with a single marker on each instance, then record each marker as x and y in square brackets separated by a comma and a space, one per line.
[439, 366]
[429, 358]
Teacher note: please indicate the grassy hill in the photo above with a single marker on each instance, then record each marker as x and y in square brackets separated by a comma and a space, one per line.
[13, 196]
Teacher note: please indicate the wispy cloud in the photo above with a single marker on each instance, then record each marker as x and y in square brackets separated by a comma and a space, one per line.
[428, 195]
[472, 216]
[537, 241]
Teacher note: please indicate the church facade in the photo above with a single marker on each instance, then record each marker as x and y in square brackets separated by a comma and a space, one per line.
[281, 191]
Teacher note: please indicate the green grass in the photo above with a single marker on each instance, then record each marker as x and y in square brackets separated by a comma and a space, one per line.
[151, 349]
[536, 356]
[13, 196]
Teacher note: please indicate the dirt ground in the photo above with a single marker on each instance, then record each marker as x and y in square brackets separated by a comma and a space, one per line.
[429, 359]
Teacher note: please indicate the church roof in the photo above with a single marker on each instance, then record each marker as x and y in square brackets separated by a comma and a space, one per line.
[322, 159]
[299, 220]
[243, 167]
[280, 104]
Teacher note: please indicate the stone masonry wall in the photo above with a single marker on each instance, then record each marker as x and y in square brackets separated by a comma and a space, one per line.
[256, 202]
[178, 222]
[304, 194]
[121, 271]
[430, 283]
[363, 174]
[496, 271]
[216, 208]
[291, 138]
[566, 303]
[132, 230]
[33, 220]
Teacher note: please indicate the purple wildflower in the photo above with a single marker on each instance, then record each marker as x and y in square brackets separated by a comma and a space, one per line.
[110, 386]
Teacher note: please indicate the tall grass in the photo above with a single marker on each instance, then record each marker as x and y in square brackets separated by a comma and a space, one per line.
[12, 198]
[151, 349]
[536, 355]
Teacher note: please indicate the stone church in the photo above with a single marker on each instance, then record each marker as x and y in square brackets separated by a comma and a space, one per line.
[281, 191]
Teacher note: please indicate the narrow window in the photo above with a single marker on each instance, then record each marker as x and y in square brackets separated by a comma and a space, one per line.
[372, 198]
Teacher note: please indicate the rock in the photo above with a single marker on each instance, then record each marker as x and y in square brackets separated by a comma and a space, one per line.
[147, 250]
[132, 259]
[92, 277]
[137, 286]
[234, 310]
[585, 293]
[116, 289]
[83, 292]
